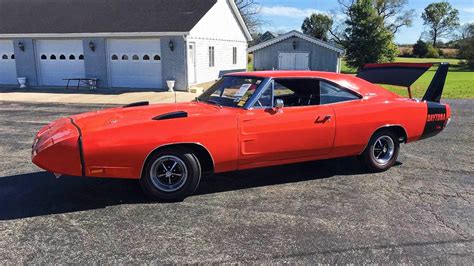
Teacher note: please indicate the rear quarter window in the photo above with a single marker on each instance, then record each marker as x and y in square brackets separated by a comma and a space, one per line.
[330, 93]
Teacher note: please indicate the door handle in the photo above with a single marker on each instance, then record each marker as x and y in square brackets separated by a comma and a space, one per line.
[327, 118]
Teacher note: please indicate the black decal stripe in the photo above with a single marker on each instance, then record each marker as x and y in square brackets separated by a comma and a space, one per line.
[136, 104]
[81, 150]
[433, 128]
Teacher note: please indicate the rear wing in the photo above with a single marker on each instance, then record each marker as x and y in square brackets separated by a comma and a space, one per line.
[404, 75]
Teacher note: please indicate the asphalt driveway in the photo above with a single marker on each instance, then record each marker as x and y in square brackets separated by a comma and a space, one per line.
[420, 211]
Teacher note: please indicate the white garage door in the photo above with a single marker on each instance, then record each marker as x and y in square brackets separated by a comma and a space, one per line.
[293, 61]
[59, 59]
[7, 63]
[135, 63]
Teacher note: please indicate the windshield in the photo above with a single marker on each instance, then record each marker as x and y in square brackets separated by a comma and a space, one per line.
[231, 91]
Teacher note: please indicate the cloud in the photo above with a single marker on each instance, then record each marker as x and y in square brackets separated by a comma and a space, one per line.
[468, 10]
[288, 11]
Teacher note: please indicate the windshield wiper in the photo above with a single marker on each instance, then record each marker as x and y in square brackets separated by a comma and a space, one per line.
[213, 102]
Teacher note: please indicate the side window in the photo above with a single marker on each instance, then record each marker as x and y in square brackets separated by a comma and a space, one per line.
[297, 92]
[333, 94]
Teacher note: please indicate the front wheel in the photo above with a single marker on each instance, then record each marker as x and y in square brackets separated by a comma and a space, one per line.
[171, 175]
[381, 152]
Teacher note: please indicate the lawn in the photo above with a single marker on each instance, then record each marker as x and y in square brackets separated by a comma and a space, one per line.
[459, 83]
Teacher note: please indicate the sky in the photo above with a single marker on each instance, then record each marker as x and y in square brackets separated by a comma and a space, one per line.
[286, 15]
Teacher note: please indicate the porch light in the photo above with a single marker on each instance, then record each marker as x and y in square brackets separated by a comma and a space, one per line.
[21, 46]
[171, 45]
[92, 46]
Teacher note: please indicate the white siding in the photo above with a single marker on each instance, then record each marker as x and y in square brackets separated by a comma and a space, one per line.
[222, 58]
[218, 28]
[219, 23]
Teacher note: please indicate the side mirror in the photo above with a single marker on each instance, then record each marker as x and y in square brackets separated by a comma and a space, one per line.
[279, 103]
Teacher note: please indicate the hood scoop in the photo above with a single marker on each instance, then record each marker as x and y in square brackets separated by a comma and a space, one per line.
[172, 115]
[136, 104]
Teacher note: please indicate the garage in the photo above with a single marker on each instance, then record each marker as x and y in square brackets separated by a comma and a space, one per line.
[7, 63]
[135, 63]
[59, 59]
[293, 61]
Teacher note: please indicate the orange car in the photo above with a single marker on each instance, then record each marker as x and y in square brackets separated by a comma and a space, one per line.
[247, 120]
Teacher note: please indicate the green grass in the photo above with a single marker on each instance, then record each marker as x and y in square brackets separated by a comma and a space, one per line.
[459, 82]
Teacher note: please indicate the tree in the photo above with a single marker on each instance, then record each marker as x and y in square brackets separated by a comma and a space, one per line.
[250, 11]
[392, 12]
[466, 45]
[317, 25]
[366, 38]
[467, 31]
[420, 49]
[441, 19]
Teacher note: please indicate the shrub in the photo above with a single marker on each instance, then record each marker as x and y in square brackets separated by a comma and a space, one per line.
[420, 49]
[432, 52]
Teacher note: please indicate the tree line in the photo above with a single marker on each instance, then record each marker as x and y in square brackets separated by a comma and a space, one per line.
[368, 30]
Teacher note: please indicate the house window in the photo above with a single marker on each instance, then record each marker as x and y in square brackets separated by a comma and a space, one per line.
[234, 55]
[211, 56]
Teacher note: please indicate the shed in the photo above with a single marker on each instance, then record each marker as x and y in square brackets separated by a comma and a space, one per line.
[296, 51]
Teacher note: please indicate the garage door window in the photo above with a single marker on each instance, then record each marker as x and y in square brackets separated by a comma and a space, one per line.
[146, 57]
[72, 57]
[12, 56]
[4, 57]
[114, 57]
[44, 57]
[157, 58]
[62, 57]
[125, 57]
[52, 57]
[135, 57]
[81, 57]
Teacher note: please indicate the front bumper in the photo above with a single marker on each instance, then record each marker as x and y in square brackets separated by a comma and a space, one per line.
[56, 148]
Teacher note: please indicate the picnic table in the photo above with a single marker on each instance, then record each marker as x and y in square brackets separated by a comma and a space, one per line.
[90, 82]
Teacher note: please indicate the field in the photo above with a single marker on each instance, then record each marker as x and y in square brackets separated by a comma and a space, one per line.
[459, 83]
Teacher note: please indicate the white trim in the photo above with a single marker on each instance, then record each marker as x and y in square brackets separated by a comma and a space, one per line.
[298, 34]
[240, 20]
[88, 35]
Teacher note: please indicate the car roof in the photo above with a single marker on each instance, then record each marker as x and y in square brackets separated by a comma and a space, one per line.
[348, 81]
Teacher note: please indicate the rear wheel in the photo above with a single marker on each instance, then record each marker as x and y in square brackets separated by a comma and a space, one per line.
[171, 175]
[382, 151]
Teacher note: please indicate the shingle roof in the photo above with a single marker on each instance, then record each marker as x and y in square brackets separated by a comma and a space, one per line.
[100, 16]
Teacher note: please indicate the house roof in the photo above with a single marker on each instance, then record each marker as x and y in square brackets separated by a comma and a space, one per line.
[100, 16]
[297, 34]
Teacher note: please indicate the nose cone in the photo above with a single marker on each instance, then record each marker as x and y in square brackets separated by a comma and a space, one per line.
[56, 149]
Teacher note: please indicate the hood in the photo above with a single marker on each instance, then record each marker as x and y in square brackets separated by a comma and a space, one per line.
[123, 116]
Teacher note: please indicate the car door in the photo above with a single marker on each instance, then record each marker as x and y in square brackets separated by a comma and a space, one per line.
[289, 133]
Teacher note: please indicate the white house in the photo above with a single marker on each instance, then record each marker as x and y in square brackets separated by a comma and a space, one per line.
[123, 43]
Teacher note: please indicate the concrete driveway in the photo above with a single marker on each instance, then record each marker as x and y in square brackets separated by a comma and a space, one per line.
[420, 211]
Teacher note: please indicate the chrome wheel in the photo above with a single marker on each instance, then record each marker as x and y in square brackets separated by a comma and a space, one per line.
[383, 150]
[168, 173]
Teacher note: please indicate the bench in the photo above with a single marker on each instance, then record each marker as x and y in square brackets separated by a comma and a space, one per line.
[90, 82]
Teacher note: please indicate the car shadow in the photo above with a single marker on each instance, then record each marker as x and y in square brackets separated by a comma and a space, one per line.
[40, 193]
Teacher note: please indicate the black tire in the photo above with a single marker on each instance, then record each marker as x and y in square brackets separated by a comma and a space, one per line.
[386, 158]
[161, 162]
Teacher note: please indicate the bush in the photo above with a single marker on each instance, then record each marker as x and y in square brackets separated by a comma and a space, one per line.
[420, 49]
[432, 52]
[467, 51]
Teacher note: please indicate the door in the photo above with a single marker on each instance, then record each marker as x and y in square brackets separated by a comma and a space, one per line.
[301, 129]
[192, 62]
[60, 59]
[293, 61]
[135, 63]
[7, 63]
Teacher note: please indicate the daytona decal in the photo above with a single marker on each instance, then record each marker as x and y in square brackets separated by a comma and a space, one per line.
[435, 119]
